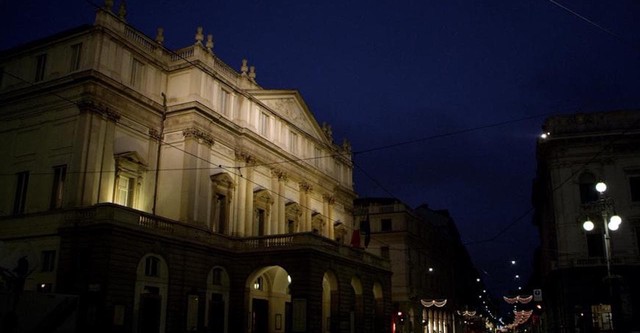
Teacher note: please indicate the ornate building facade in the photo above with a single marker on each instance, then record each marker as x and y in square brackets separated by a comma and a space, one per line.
[434, 280]
[589, 277]
[163, 191]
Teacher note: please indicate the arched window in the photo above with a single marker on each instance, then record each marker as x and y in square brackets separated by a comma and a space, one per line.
[150, 305]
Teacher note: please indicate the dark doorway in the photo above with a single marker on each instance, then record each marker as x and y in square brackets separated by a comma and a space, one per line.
[216, 313]
[288, 314]
[149, 311]
[260, 316]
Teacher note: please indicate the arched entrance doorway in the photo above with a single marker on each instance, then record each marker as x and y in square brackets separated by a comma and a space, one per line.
[269, 300]
[329, 302]
[378, 308]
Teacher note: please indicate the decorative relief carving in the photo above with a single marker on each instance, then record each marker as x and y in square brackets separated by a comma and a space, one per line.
[305, 187]
[155, 134]
[330, 199]
[281, 175]
[245, 157]
[199, 135]
[288, 109]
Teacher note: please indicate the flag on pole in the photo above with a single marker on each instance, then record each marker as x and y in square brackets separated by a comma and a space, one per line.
[355, 238]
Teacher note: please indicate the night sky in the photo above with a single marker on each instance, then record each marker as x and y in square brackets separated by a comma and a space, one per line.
[442, 101]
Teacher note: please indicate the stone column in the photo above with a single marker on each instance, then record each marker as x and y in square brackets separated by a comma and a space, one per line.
[277, 220]
[244, 206]
[194, 182]
[305, 188]
[281, 217]
[248, 203]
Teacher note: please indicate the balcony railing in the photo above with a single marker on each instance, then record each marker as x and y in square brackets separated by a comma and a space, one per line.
[35, 224]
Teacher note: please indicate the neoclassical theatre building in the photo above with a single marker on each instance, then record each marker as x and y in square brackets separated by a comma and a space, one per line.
[154, 190]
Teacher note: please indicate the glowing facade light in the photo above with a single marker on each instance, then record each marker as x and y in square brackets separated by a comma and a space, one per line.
[513, 262]
[430, 269]
[601, 187]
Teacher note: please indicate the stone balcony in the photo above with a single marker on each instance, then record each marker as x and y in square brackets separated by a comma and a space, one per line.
[48, 223]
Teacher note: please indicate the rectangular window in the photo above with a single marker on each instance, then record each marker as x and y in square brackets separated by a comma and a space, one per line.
[385, 225]
[260, 222]
[595, 244]
[151, 266]
[293, 142]
[224, 102]
[137, 70]
[76, 53]
[20, 199]
[48, 260]
[125, 191]
[57, 189]
[601, 316]
[263, 126]
[41, 65]
[317, 153]
[588, 193]
[634, 186]
[384, 252]
[219, 213]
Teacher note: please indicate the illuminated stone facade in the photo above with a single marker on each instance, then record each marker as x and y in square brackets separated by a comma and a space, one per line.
[578, 151]
[170, 193]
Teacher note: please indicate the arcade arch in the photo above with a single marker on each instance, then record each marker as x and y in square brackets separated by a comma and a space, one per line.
[269, 300]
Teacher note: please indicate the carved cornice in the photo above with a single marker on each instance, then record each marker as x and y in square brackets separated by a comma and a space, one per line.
[90, 106]
[199, 135]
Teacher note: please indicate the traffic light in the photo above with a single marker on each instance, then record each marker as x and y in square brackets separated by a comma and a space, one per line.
[400, 317]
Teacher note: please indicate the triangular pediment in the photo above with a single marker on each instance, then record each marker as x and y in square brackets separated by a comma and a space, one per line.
[289, 105]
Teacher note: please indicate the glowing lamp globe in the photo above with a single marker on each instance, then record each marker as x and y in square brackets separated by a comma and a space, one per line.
[614, 222]
[588, 225]
[601, 187]
[613, 226]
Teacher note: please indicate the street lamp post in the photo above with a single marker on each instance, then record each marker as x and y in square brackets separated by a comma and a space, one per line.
[605, 206]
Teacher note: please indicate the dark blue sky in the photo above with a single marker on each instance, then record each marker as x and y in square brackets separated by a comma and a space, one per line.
[387, 72]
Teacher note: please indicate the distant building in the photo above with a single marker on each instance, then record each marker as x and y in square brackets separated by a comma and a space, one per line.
[153, 190]
[433, 278]
[576, 152]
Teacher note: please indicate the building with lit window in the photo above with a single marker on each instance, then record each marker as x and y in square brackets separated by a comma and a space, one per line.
[433, 277]
[589, 275]
[152, 190]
